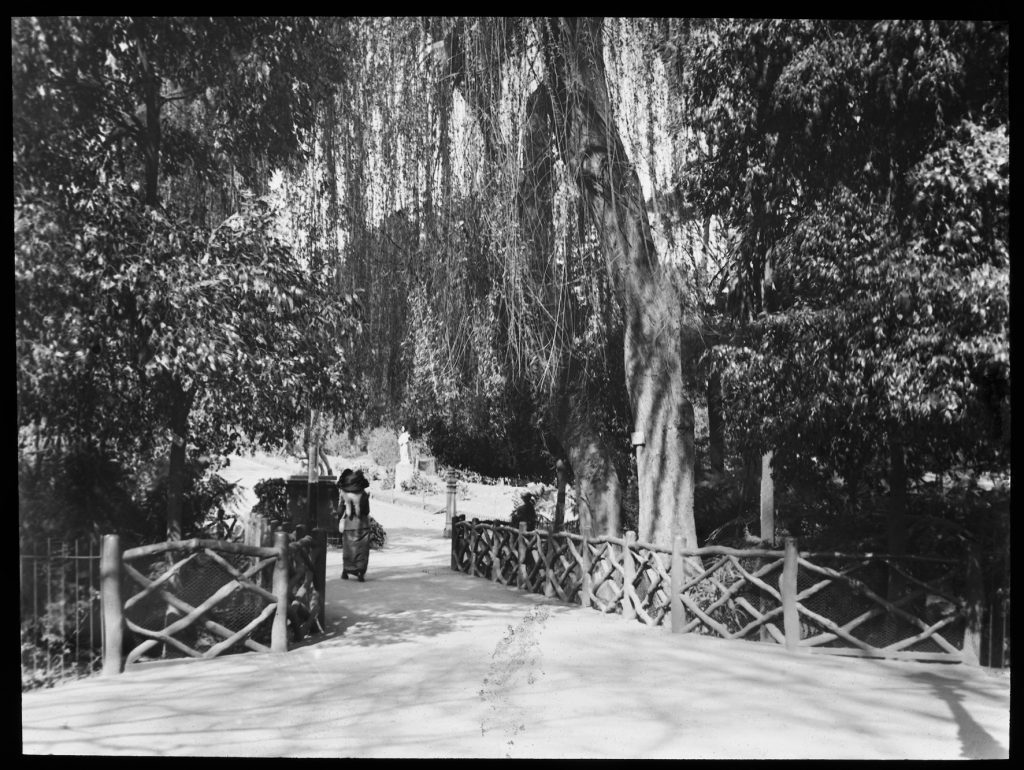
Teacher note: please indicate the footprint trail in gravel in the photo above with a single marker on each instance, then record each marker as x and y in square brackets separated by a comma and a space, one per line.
[515, 664]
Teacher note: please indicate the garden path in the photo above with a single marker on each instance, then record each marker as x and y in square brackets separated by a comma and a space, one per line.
[420, 661]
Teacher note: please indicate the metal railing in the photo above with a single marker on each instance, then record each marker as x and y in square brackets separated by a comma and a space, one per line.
[61, 628]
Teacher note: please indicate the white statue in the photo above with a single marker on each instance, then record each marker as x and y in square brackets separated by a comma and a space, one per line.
[403, 446]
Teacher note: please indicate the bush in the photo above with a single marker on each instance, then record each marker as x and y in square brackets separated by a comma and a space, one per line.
[83, 492]
[387, 478]
[51, 649]
[382, 446]
[377, 534]
[273, 500]
[419, 485]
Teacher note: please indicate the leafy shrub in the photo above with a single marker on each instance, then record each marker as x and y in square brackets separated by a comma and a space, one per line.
[82, 492]
[73, 494]
[273, 500]
[419, 485]
[382, 446]
[463, 474]
[51, 652]
[387, 478]
[377, 534]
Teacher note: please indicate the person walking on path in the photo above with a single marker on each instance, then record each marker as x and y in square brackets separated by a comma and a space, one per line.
[354, 525]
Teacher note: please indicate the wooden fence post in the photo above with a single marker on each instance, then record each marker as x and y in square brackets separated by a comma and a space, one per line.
[628, 574]
[788, 589]
[547, 548]
[110, 601]
[474, 540]
[495, 555]
[975, 604]
[676, 576]
[279, 630]
[521, 551]
[586, 590]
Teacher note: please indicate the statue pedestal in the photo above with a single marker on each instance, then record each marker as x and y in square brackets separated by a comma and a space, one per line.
[403, 472]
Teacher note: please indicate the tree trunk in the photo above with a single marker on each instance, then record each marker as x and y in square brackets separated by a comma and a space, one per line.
[561, 476]
[151, 135]
[897, 527]
[716, 424]
[597, 486]
[578, 428]
[596, 158]
[767, 500]
[751, 483]
[896, 530]
[181, 405]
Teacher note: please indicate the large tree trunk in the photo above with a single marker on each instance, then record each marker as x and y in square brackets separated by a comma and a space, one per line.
[716, 424]
[597, 487]
[561, 477]
[181, 406]
[576, 422]
[151, 136]
[180, 401]
[590, 144]
[897, 523]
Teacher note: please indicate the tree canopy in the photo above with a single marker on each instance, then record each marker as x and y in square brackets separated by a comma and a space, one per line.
[864, 170]
[158, 303]
[529, 239]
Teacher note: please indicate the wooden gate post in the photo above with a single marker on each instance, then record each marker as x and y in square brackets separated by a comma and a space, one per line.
[110, 602]
[628, 574]
[279, 630]
[474, 540]
[586, 590]
[521, 552]
[547, 548]
[676, 575]
[495, 554]
[788, 589]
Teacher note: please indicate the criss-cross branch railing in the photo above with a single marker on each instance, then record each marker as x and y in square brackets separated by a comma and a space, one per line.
[756, 594]
[294, 599]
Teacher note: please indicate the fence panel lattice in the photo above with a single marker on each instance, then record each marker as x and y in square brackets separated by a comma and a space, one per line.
[872, 605]
[211, 598]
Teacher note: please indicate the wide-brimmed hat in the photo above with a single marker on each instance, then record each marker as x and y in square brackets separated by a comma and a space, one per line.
[353, 481]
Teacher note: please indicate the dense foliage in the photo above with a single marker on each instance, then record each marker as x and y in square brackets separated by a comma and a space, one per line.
[863, 171]
[272, 504]
[160, 306]
[199, 202]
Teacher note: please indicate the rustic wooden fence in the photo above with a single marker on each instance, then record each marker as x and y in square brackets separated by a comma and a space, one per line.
[201, 598]
[842, 604]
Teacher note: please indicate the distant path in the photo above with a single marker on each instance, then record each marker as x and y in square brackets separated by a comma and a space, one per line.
[423, 662]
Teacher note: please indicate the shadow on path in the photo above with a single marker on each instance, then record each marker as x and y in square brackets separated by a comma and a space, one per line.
[975, 741]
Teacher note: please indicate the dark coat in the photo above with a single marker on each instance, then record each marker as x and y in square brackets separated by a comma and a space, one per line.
[355, 536]
[527, 514]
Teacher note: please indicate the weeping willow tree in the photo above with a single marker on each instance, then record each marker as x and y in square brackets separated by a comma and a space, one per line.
[472, 185]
